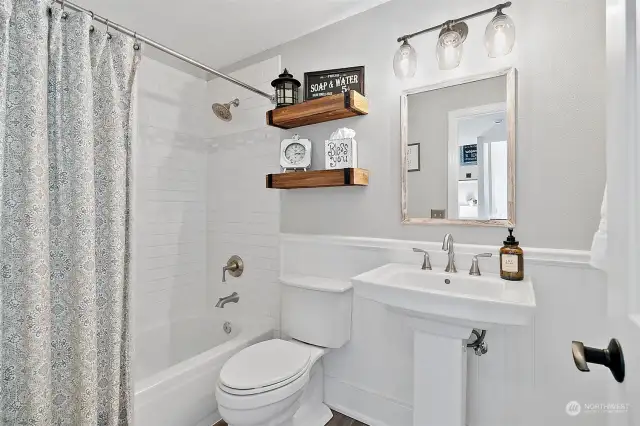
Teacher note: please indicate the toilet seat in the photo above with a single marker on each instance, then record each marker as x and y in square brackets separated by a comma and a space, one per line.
[264, 367]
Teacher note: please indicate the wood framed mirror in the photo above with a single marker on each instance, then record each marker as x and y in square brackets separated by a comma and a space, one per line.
[458, 142]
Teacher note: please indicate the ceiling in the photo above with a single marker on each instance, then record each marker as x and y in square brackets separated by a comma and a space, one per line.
[221, 32]
[469, 129]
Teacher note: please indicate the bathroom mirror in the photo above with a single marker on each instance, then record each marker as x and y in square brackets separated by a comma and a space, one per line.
[458, 151]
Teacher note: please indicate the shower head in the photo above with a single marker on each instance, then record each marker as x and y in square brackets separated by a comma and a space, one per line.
[223, 111]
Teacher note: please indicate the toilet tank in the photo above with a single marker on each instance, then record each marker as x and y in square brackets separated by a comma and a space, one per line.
[316, 310]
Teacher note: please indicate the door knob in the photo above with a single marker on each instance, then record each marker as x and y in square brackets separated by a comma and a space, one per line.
[611, 357]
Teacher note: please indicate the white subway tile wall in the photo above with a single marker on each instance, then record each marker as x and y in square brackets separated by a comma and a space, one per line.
[200, 196]
[169, 201]
[243, 217]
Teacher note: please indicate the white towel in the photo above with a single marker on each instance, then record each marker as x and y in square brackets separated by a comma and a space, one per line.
[599, 245]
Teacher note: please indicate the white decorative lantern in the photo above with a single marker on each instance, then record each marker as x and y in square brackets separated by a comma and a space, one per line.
[341, 151]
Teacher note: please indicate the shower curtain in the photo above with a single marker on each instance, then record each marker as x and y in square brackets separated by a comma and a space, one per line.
[65, 136]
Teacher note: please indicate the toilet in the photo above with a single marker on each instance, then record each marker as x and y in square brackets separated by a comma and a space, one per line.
[281, 382]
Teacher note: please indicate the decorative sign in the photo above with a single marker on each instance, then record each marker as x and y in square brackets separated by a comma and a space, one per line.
[340, 154]
[413, 157]
[319, 84]
[469, 155]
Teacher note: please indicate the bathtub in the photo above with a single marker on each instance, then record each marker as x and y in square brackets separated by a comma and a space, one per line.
[176, 368]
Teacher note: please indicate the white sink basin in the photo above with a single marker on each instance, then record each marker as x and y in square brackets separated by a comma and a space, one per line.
[461, 299]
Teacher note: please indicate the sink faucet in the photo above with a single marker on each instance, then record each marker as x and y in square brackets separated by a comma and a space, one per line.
[426, 262]
[234, 298]
[447, 245]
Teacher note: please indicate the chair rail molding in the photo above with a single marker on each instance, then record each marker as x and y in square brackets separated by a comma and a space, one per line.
[537, 256]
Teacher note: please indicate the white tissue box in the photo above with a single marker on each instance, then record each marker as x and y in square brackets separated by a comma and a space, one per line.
[340, 154]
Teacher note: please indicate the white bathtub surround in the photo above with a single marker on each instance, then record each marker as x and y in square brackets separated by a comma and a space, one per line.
[169, 210]
[193, 208]
[243, 217]
[527, 372]
[174, 357]
[175, 379]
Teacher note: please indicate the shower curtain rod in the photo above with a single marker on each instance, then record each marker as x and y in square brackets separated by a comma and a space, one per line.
[162, 48]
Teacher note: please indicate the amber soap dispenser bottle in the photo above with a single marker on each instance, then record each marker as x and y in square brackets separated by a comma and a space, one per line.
[511, 259]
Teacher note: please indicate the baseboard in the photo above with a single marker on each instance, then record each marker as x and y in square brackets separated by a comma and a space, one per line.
[365, 406]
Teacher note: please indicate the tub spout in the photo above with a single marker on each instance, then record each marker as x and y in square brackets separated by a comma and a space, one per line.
[234, 298]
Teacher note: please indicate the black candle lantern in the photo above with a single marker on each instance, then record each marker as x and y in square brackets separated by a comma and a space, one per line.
[286, 89]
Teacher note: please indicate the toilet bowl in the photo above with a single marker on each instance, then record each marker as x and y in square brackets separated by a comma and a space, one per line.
[274, 383]
[281, 382]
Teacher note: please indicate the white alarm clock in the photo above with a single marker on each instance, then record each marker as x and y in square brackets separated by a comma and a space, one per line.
[295, 154]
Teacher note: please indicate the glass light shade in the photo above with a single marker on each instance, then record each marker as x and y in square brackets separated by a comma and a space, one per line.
[405, 61]
[500, 36]
[449, 50]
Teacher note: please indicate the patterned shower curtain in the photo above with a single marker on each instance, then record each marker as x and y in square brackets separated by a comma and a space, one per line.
[65, 136]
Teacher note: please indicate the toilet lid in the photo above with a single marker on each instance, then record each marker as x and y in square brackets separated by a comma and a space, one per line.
[264, 364]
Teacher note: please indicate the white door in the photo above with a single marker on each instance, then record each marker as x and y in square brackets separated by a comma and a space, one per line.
[623, 177]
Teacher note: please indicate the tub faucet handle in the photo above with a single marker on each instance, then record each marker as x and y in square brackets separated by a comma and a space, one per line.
[235, 266]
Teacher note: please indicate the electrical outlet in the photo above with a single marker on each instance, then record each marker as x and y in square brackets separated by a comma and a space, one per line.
[437, 214]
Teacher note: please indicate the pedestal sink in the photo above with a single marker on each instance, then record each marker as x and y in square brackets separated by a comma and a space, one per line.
[443, 309]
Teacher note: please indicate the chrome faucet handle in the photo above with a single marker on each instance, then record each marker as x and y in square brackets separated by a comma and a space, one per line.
[475, 268]
[426, 261]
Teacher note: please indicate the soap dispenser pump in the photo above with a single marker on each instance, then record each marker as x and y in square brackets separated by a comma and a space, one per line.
[511, 259]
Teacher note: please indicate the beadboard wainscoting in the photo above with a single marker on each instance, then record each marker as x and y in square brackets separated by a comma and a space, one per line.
[528, 375]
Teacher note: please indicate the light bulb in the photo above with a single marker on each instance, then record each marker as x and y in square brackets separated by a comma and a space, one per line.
[449, 49]
[405, 61]
[500, 35]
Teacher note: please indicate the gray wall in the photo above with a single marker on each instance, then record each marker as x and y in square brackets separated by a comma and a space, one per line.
[560, 55]
[429, 126]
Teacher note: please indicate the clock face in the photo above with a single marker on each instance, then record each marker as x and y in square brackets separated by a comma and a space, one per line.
[295, 153]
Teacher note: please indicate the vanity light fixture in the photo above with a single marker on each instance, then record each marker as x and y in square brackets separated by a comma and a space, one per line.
[449, 47]
[500, 37]
[405, 61]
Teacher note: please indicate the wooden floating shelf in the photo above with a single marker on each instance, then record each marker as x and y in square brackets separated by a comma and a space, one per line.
[334, 107]
[318, 179]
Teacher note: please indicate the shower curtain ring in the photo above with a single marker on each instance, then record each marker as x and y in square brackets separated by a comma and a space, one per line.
[64, 15]
[136, 45]
[108, 33]
[93, 17]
